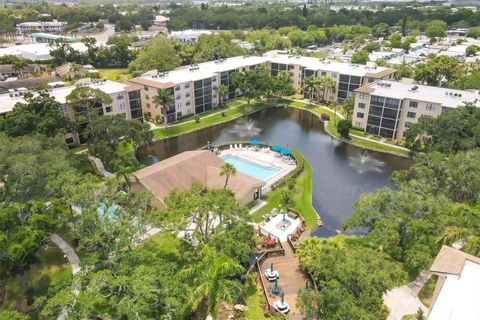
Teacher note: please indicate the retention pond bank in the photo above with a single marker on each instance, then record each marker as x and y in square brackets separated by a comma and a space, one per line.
[341, 171]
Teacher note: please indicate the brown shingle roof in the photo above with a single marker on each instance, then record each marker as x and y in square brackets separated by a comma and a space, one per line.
[365, 89]
[380, 74]
[26, 83]
[181, 171]
[8, 68]
[451, 261]
[152, 83]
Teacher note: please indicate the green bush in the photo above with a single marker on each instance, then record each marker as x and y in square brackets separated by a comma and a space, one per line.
[294, 173]
[197, 119]
[190, 115]
[344, 127]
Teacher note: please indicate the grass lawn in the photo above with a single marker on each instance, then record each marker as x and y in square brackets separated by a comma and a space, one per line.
[238, 108]
[302, 200]
[50, 270]
[230, 113]
[426, 293]
[252, 301]
[331, 127]
[120, 74]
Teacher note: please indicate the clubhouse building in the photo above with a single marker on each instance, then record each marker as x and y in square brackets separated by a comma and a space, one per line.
[182, 170]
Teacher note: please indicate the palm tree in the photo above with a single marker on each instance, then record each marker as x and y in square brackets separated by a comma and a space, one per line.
[310, 84]
[125, 162]
[227, 170]
[164, 98]
[213, 280]
[328, 84]
[222, 91]
[468, 234]
[76, 68]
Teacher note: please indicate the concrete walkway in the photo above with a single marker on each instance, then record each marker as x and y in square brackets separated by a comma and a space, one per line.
[260, 203]
[380, 142]
[74, 261]
[99, 165]
[68, 251]
[404, 300]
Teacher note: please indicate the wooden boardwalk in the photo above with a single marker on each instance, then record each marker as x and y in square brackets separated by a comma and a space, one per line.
[292, 278]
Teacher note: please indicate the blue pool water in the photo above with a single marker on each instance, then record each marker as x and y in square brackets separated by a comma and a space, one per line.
[251, 168]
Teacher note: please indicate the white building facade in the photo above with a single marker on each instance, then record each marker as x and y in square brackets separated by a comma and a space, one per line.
[47, 26]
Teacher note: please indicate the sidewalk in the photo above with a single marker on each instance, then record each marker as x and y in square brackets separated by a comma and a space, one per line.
[68, 251]
[402, 301]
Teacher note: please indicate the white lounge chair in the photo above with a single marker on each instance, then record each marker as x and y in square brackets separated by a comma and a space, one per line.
[241, 147]
[231, 147]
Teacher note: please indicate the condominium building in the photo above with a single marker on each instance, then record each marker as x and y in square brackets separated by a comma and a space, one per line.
[388, 108]
[126, 100]
[43, 26]
[194, 88]
[347, 76]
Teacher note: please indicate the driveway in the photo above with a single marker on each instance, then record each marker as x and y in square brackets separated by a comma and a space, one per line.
[404, 300]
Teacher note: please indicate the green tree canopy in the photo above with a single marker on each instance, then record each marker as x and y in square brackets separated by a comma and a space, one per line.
[40, 114]
[435, 28]
[109, 131]
[347, 287]
[159, 53]
[360, 57]
[30, 167]
[456, 129]
[404, 223]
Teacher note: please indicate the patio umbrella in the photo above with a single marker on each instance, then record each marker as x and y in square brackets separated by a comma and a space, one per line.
[286, 152]
[277, 148]
[254, 142]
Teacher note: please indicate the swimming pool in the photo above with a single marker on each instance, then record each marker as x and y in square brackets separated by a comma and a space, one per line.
[251, 168]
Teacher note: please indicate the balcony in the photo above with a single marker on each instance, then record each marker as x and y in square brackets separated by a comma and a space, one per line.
[169, 110]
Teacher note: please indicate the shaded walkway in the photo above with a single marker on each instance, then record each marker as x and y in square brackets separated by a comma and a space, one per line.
[74, 261]
[292, 278]
[68, 251]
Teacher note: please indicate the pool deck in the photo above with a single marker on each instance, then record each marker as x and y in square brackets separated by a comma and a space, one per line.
[275, 161]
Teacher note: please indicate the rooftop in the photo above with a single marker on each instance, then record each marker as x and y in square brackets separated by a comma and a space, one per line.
[40, 51]
[332, 66]
[40, 23]
[451, 261]
[404, 90]
[211, 68]
[27, 83]
[197, 71]
[460, 293]
[110, 87]
[49, 36]
[181, 171]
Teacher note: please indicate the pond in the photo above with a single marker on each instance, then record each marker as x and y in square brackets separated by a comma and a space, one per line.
[341, 171]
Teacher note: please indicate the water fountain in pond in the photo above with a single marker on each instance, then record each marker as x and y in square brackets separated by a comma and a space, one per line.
[365, 163]
[246, 130]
